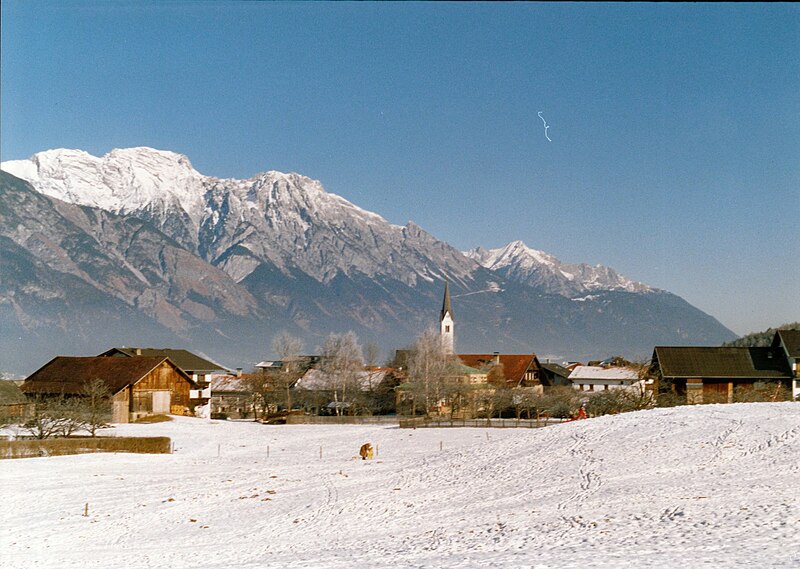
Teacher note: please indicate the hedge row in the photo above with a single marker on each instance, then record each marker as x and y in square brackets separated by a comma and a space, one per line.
[79, 445]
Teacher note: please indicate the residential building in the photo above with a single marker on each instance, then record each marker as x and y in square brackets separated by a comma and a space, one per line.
[789, 342]
[599, 378]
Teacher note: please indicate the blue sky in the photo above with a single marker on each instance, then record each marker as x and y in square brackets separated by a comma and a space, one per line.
[675, 153]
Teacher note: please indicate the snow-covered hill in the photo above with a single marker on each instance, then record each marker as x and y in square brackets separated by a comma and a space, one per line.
[683, 487]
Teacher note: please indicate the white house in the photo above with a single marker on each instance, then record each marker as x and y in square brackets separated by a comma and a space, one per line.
[596, 378]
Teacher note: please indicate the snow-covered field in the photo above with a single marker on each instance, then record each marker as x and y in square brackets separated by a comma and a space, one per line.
[684, 487]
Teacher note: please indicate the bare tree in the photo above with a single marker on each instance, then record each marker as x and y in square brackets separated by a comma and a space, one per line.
[371, 354]
[260, 388]
[343, 363]
[288, 349]
[73, 414]
[431, 371]
[47, 418]
[561, 401]
[526, 399]
[96, 405]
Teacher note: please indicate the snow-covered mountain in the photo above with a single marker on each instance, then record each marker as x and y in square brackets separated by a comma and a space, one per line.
[138, 245]
[520, 263]
[287, 220]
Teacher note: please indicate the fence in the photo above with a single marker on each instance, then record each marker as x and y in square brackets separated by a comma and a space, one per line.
[425, 422]
[28, 448]
[343, 420]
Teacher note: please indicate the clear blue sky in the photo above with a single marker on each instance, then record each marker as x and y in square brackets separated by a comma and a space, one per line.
[675, 153]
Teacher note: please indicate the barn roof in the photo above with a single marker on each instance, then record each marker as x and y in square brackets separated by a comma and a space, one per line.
[184, 359]
[69, 375]
[514, 365]
[790, 339]
[722, 362]
[10, 393]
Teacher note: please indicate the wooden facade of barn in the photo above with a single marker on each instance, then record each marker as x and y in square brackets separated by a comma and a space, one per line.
[162, 391]
[139, 386]
[14, 406]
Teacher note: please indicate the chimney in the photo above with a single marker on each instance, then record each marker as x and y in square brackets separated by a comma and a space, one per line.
[138, 351]
[497, 358]
[238, 372]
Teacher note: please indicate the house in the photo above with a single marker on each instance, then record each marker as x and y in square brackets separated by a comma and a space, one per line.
[371, 389]
[198, 368]
[789, 342]
[301, 362]
[230, 397]
[712, 374]
[139, 386]
[512, 370]
[14, 406]
[599, 378]
[554, 374]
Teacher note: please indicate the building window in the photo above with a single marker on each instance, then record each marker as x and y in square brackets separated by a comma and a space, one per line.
[447, 328]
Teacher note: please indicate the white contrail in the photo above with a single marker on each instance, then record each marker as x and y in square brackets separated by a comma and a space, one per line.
[546, 126]
[476, 292]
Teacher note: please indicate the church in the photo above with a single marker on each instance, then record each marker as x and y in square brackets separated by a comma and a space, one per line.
[511, 370]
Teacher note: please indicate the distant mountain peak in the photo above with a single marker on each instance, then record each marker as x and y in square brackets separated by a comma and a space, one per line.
[124, 180]
[521, 263]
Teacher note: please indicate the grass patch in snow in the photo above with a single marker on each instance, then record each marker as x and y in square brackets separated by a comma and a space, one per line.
[153, 419]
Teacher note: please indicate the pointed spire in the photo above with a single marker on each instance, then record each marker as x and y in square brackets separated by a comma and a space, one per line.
[446, 307]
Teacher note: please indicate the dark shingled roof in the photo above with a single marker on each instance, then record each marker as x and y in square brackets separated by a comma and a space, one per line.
[790, 340]
[556, 369]
[446, 306]
[184, 359]
[69, 375]
[10, 393]
[722, 362]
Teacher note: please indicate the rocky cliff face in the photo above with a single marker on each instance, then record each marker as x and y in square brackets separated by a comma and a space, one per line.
[219, 265]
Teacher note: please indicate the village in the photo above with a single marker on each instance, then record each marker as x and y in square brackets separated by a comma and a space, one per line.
[425, 385]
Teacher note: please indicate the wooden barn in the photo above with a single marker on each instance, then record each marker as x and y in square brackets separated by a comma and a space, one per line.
[14, 406]
[713, 374]
[139, 386]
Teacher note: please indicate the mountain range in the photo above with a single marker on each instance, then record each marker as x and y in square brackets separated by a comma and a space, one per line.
[138, 248]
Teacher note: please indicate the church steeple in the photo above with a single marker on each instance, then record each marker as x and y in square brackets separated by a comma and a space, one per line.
[446, 322]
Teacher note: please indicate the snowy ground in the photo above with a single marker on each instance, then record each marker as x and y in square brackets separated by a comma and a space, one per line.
[685, 487]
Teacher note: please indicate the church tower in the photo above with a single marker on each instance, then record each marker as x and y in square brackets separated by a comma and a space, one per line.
[446, 322]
